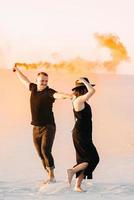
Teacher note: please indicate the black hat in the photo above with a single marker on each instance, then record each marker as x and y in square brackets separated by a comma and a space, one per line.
[78, 84]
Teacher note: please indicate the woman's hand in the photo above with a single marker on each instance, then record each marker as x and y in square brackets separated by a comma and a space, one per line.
[82, 80]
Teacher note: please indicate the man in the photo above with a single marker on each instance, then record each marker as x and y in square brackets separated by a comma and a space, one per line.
[41, 102]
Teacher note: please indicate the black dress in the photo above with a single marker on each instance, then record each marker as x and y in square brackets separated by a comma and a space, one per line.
[82, 138]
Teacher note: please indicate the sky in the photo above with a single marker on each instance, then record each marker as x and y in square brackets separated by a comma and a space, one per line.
[33, 31]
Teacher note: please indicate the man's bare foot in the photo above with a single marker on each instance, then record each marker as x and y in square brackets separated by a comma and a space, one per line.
[79, 189]
[70, 176]
[89, 183]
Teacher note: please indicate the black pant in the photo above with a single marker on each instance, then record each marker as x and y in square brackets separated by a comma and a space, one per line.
[43, 137]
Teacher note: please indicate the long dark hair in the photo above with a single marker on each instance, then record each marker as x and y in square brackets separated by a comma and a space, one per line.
[78, 91]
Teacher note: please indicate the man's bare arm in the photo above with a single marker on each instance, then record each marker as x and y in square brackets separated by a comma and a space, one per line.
[58, 95]
[21, 76]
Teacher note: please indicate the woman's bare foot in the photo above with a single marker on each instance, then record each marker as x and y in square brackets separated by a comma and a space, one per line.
[70, 174]
[79, 189]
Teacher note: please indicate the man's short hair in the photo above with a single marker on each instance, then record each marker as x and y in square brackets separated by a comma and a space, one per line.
[42, 73]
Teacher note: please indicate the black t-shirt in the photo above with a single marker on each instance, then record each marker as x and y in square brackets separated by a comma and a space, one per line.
[41, 103]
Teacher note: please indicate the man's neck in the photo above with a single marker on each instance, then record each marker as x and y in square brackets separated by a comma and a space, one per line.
[40, 88]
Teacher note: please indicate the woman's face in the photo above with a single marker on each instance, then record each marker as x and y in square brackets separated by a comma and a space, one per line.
[76, 93]
[80, 91]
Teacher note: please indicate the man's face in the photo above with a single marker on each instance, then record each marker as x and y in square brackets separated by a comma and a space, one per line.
[42, 81]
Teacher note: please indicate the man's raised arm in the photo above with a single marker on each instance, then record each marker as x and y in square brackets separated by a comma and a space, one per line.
[21, 76]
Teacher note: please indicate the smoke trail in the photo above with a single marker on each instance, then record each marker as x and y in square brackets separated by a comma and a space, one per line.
[76, 65]
[117, 51]
[116, 48]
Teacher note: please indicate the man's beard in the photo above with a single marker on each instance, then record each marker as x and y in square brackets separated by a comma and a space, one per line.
[43, 85]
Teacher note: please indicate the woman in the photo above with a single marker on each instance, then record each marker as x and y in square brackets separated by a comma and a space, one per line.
[86, 154]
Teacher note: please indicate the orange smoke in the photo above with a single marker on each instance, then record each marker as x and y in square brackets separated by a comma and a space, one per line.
[117, 51]
[76, 65]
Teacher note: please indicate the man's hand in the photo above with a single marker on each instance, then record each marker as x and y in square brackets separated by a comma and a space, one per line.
[15, 67]
[21, 76]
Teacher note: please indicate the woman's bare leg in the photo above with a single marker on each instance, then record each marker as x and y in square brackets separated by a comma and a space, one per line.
[78, 183]
[72, 171]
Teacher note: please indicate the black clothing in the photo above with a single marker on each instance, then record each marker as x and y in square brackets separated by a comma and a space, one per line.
[44, 125]
[43, 138]
[82, 138]
[41, 103]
